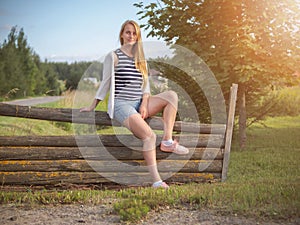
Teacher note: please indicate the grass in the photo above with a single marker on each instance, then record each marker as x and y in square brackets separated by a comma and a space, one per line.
[263, 181]
[10, 126]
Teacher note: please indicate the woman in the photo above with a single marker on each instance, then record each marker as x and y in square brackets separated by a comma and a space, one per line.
[125, 75]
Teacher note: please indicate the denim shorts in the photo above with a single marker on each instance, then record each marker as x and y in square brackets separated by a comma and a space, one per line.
[125, 108]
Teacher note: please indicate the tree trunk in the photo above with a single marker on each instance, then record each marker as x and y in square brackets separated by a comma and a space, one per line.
[242, 115]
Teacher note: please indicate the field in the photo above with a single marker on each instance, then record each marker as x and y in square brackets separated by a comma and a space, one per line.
[263, 180]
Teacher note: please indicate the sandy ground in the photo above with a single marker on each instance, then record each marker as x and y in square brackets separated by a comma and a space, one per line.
[104, 214]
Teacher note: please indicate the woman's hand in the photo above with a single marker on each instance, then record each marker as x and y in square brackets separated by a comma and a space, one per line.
[86, 109]
[92, 107]
[144, 111]
[144, 106]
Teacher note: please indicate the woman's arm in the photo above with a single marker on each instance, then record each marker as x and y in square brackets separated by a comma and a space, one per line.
[91, 107]
[105, 83]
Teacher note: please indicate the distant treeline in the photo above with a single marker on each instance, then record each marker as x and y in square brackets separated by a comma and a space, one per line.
[22, 73]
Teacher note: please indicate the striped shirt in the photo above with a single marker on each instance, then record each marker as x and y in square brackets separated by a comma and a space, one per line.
[128, 80]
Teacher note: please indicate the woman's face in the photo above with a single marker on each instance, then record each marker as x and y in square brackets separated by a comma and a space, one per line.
[129, 35]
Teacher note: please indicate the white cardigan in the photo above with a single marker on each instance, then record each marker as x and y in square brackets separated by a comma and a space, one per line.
[108, 83]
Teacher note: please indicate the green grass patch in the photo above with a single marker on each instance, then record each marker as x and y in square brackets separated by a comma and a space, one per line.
[47, 197]
[11, 126]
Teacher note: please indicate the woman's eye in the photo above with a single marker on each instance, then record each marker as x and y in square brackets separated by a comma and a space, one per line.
[128, 32]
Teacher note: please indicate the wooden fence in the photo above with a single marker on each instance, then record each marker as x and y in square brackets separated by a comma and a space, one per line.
[100, 159]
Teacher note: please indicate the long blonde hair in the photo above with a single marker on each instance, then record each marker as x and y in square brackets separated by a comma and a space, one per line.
[138, 50]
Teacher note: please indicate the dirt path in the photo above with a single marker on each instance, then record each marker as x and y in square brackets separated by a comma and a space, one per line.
[35, 101]
[103, 214]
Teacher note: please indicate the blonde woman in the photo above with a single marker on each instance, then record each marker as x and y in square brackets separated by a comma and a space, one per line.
[125, 77]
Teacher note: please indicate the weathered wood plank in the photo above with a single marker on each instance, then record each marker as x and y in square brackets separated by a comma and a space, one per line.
[187, 166]
[96, 153]
[157, 124]
[97, 118]
[229, 130]
[203, 140]
[52, 178]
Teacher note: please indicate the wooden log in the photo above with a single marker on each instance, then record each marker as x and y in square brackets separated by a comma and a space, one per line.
[96, 153]
[156, 123]
[55, 114]
[52, 178]
[203, 140]
[229, 130]
[98, 118]
[187, 166]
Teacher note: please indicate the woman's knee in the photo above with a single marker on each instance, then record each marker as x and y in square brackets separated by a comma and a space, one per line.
[149, 143]
[172, 96]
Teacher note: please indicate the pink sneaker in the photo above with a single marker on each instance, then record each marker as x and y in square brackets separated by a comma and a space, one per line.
[174, 148]
[161, 185]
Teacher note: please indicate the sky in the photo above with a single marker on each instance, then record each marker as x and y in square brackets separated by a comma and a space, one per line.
[71, 30]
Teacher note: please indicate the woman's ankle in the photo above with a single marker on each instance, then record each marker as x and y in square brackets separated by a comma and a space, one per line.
[160, 184]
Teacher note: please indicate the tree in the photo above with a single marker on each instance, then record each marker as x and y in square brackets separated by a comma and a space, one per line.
[18, 68]
[27, 64]
[23, 74]
[49, 83]
[251, 42]
[10, 70]
[70, 73]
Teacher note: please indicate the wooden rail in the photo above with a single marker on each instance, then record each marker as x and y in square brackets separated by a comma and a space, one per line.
[97, 118]
[98, 159]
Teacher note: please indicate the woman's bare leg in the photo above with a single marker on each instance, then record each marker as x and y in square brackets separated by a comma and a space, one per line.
[141, 130]
[167, 102]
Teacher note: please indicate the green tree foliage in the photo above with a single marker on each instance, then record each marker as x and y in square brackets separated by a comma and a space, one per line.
[51, 80]
[21, 69]
[71, 73]
[190, 86]
[254, 43]
[23, 74]
[10, 64]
